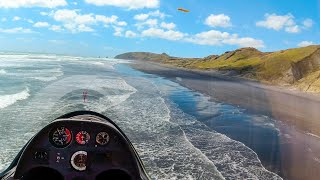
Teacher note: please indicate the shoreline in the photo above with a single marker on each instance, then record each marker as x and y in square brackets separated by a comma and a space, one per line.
[255, 97]
[288, 107]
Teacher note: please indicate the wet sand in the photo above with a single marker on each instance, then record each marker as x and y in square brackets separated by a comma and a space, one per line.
[298, 113]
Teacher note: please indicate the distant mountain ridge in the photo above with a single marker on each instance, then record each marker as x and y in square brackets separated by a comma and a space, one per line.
[297, 67]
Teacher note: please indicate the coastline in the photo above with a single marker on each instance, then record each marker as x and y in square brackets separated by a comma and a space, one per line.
[298, 147]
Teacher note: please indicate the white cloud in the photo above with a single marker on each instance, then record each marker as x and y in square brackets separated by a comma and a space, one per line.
[220, 20]
[215, 38]
[56, 28]
[160, 33]
[16, 18]
[141, 17]
[118, 31]
[44, 13]
[278, 22]
[292, 29]
[157, 13]
[32, 3]
[305, 43]
[41, 24]
[130, 4]
[84, 28]
[3, 19]
[121, 23]
[29, 21]
[168, 25]
[130, 34]
[107, 20]
[16, 30]
[148, 22]
[73, 21]
[69, 16]
[308, 23]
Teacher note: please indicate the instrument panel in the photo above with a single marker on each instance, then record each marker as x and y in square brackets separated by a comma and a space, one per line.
[82, 148]
[61, 137]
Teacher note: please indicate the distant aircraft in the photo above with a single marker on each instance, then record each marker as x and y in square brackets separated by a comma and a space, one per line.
[183, 10]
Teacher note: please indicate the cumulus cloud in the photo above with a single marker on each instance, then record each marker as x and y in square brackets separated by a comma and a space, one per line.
[121, 23]
[292, 29]
[130, 34]
[279, 22]
[215, 38]
[220, 20]
[305, 43]
[73, 21]
[118, 31]
[32, 3]
[143, 17]
[157, 13]
[148, 22]
[44, 13]
[107, 20]
[56, 28]
[168, 25]
[160, 33]
[16, 30]
[129, 4]
[41, 24]
[16, 18]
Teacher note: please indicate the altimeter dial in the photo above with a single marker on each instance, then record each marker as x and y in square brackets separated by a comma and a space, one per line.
[60, 137]
[102, 138]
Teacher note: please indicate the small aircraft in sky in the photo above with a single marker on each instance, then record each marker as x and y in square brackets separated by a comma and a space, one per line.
[183, 10]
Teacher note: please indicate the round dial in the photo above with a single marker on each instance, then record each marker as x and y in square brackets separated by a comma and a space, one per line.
[60, 137]
[79, 160]
[102, 138]
[82, 137]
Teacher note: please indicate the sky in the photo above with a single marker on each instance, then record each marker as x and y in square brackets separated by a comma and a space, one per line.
[111, 27]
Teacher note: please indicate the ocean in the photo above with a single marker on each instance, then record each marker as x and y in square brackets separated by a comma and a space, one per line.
[179, 133]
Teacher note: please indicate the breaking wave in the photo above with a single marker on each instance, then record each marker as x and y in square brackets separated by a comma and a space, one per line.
[9, 99]
[2, 71]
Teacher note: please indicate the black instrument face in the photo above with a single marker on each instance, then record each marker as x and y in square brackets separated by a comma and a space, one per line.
[79, 160]
[102, 138]
[60, 137]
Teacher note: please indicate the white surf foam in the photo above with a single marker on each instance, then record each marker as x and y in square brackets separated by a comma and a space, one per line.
[2, 71]
[313, 135]
[9, 99]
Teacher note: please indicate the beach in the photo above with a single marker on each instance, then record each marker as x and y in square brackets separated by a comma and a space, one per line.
[296, 114]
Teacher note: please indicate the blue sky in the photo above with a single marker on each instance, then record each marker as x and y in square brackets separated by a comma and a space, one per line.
[111, 27]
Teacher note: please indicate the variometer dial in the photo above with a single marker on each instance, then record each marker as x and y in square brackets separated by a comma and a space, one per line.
[60, 137]
[82, 137]
[79, 160]
[102, 138]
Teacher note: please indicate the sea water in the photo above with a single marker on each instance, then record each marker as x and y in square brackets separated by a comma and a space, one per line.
[178, 133]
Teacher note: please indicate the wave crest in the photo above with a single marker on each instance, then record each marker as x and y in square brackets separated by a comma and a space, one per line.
[9, 99]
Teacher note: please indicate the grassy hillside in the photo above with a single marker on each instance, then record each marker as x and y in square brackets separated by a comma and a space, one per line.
[298, 66]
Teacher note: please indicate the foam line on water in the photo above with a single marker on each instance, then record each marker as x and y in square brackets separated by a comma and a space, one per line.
[9, 99]
[2, 71]
[145, 117]
[233, 158]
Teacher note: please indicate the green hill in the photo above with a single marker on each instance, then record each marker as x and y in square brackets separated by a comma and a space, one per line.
[298, 67]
